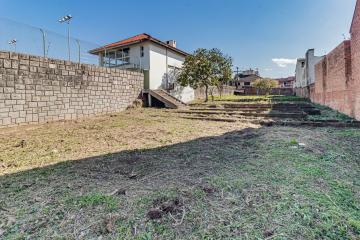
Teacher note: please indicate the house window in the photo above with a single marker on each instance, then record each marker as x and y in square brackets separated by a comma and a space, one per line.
[142, 51]
[247, 84]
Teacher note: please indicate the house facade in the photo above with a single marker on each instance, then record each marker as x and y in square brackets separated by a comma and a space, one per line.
[161, 62]
[305, 73]
[286, 82]
[244, 79]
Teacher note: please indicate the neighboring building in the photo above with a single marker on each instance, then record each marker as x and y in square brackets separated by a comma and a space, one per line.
[305, 73]
[245, 78]
[286, 82]
[160, 60]
[300, 80]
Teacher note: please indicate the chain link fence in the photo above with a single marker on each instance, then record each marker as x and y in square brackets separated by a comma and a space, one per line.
[22, 38]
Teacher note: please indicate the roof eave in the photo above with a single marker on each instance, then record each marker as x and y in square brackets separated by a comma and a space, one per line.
[154, 40]
[98, 50]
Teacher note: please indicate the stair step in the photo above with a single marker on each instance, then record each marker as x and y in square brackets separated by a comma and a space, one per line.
[167, 99]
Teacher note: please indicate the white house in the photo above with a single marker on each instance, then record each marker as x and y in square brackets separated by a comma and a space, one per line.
[160, 60]
[305, 73]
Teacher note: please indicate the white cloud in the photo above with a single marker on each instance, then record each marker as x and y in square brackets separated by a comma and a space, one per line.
[284, 62]
[268, 69]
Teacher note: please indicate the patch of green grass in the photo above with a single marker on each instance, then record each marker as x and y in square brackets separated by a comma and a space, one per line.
[294, 142]
[199, 193]
[329, 114]
[355, 224]
[224, 183]
[344, 197]
[331, 156]
[348, 133]
[288, 99]
[313, 171]
[93, 200]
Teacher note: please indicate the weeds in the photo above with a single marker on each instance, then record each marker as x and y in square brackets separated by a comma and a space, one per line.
[206, 181]
[93, 200]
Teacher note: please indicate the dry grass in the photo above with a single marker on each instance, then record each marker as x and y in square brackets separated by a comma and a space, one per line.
[110, 176]
[40, 145]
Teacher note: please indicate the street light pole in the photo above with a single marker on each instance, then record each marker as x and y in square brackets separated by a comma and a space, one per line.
[67, 19]
[79, 50]
[43, 38]
[68, 34]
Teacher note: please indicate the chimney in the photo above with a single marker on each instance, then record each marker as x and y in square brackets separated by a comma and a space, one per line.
[171, 43]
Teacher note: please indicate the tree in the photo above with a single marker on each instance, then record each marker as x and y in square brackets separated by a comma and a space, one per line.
[205, 68]
[223, 72]
[265, 85]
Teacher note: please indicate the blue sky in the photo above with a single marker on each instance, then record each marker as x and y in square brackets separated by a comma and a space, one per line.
[253, 32]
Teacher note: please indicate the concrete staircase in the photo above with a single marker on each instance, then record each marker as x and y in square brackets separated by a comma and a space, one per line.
[168, 100]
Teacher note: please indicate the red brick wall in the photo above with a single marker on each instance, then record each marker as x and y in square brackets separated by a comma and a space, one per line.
[355, 55]
[333, 75]
[337, 83]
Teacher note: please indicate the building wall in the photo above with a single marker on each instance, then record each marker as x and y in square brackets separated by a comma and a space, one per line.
[274, 91]
[135, 58]
[144, 61]
[355, 57]
[200, 92]
[159, 64]
[36, 90]
[160, 60]
[300, 80]
[311, 61]
[305, 73]
[333, 76]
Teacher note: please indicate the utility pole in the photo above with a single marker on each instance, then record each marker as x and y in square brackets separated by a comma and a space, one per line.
[67, 19]
[43, 38]
[79, 49]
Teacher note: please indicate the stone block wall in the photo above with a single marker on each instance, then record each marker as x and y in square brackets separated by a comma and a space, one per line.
[36, 90]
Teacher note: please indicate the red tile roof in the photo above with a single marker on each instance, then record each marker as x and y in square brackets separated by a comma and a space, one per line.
[134, 40]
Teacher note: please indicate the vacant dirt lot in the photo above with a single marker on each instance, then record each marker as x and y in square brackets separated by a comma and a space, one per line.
[150, 174]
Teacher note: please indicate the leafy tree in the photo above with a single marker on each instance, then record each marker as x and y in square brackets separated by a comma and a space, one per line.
[265, 85]
[205, 68]
[223, 72]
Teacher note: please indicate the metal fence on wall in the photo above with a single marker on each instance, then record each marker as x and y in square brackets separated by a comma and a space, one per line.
[22, 38]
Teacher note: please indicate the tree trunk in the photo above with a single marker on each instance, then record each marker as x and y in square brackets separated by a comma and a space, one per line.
[206, 93]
